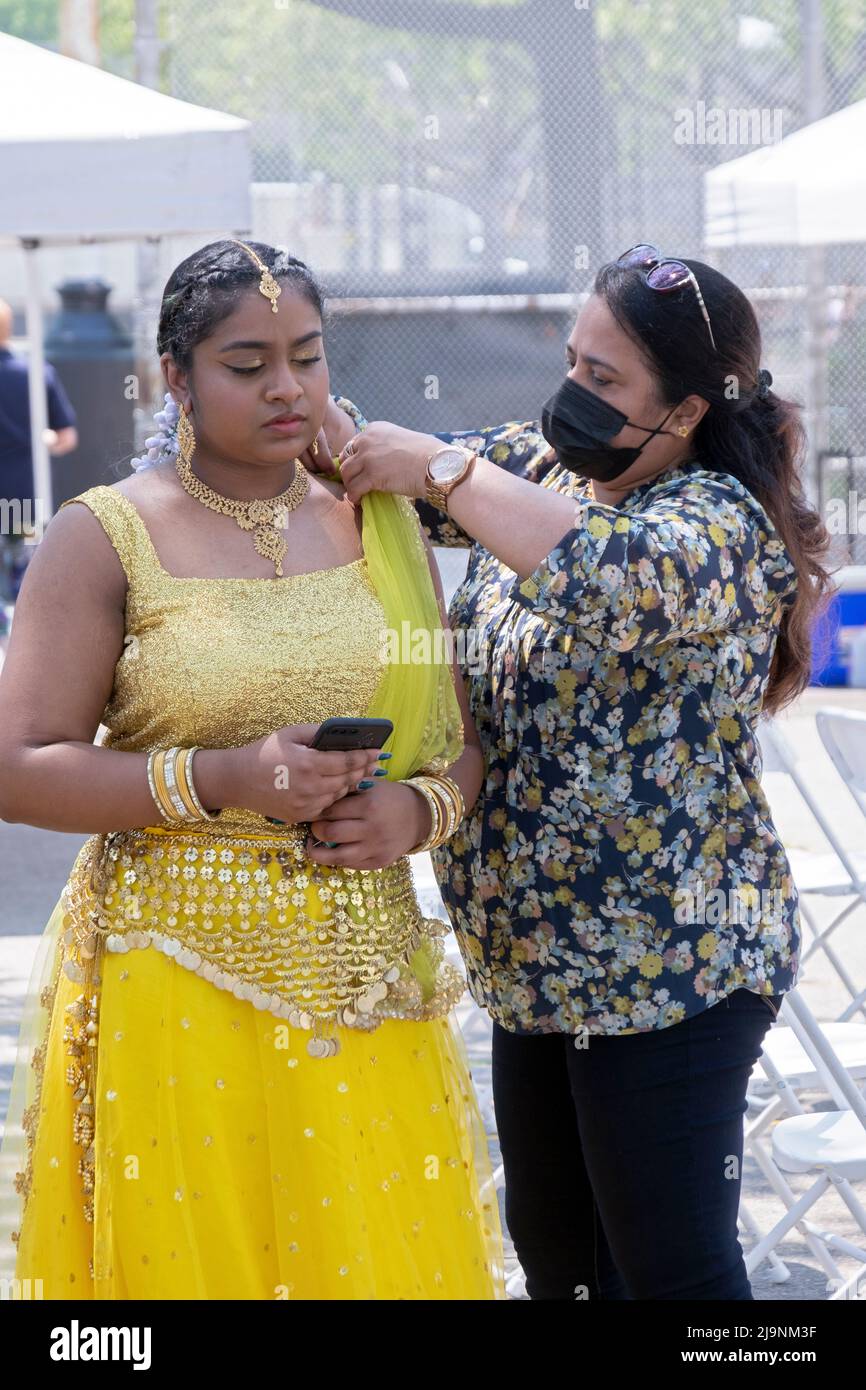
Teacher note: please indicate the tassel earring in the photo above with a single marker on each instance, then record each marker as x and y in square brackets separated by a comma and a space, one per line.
[185, 437]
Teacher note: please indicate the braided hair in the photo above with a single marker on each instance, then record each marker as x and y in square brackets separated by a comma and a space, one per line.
[205, 288]
[201, 292]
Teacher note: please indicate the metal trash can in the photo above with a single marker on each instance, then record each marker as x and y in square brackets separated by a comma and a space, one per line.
[94, 357]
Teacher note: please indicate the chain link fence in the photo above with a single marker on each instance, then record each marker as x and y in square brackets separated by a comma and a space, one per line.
[459, 149]
[456, 170]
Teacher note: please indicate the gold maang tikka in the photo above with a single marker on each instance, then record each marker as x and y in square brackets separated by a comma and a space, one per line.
[261, 515]
[267, 285]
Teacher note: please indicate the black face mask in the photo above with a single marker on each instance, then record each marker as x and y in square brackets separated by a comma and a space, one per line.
[576, 423]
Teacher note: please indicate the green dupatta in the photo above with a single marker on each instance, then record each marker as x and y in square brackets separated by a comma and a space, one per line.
[416, 690]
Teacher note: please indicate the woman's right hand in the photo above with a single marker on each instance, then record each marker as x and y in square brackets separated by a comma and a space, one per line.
[282, 777]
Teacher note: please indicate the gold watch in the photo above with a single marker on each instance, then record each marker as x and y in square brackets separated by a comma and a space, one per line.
[446, 467]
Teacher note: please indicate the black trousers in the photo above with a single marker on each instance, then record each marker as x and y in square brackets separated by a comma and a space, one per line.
[623, 1157]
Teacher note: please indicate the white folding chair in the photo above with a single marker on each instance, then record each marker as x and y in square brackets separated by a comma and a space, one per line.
[843, 734]
[783, 1069]
[831, 1143]
[836, 875]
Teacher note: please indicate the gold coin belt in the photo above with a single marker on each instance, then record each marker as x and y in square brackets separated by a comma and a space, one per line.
[235, 910]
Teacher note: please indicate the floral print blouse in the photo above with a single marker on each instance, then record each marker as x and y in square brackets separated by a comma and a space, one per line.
[620, 870]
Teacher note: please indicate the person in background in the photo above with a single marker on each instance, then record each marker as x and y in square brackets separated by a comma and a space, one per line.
[16, 467]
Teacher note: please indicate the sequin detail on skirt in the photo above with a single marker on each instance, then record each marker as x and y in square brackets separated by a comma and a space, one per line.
[316, 945]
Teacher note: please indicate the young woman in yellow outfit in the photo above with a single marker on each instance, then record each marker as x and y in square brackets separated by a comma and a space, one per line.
[239, 1073]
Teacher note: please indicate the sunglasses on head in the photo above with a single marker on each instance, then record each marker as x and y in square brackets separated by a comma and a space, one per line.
[664, 275]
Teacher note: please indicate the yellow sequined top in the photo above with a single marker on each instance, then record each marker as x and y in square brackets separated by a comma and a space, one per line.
[219, 663]
[222, 662]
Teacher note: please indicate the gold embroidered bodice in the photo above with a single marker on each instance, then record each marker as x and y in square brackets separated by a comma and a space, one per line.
[219, 663]
[222, 662]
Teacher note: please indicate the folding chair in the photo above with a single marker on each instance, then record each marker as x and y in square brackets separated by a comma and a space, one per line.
[843, 734]
[787, 1069]
[837, 875]
[831, 1143]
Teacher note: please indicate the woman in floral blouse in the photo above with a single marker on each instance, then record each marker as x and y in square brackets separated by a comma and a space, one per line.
[643, 575]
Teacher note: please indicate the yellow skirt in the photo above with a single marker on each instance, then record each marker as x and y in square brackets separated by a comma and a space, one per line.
[228, 1166]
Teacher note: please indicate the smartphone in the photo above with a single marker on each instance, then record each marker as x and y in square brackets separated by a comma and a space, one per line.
[344, 734]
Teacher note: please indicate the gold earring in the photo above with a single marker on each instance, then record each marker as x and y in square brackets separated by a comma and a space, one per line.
[314, 448]
[185, 437]
[683, 430]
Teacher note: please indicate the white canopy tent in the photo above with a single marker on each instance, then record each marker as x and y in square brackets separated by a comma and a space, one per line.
[807, 190]
[86, 156]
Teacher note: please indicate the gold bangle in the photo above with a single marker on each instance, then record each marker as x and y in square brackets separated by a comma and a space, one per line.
[450, 785]
[163, 797]
[151, 781]
[447, 785]
[180, 777]
[457, 793]
[167, 795]
[444, 795]
[198, 802]
[169, 768]
[449, 819]
[186, 786]
[437, 824]
[452, 796]
[435, 810]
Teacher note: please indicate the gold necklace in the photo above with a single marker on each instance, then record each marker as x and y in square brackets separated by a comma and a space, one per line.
[260, 515]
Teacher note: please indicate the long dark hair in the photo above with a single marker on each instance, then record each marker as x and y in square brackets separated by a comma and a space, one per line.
[759, 441]
[204, 289]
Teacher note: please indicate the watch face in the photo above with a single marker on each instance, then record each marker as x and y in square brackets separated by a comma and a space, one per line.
[448, 465]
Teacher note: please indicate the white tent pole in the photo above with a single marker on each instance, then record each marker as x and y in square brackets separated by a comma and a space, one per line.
[147, 48]
[812, 78]
[42, 493]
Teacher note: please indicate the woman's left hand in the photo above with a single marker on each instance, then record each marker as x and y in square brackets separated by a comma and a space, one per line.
[386, 458]
[338, 428]
[372, 828]
[321, 462]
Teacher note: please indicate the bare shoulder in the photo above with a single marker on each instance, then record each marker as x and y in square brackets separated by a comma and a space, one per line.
[76, 552]
[150, 488]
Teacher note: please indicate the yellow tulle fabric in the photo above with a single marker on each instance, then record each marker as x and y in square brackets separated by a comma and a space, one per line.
[231, 1164]
[216, 1158]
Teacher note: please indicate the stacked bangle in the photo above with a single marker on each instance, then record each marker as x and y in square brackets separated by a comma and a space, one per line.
[169, 776]
[445, 800]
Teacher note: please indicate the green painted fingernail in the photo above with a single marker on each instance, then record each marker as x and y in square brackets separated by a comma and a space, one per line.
[380, 772]
[382, 756]
[362, 786]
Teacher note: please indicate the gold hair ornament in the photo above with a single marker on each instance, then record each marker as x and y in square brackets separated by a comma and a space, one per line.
[267, 285]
